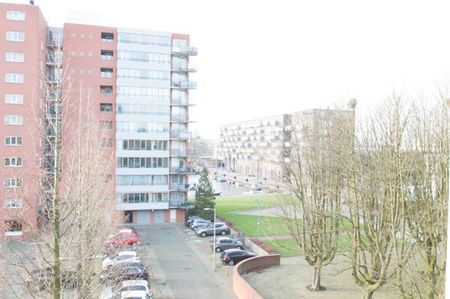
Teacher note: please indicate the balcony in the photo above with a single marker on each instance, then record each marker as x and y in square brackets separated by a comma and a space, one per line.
[179, 118]
[181, 203]
[178, 170]
[183, 85]
[184, 51]
[178, 153]
[179, 187]
[181, 102]
[183, 69]
[180, 135]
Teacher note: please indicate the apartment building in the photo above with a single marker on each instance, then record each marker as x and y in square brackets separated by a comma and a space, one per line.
[258, 148]
[137, 83]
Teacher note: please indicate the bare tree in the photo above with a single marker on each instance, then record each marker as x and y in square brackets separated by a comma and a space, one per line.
[314, 178]
[422, 268]
[376, 195]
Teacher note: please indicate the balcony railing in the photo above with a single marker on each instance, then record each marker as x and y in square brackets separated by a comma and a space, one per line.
[182, 102]
[182, 69]
[184, 84]
[181, 203]
[179, 187]
[184, 51]
[178, 170]
[182, 135]
[177, 153]
[179, 118]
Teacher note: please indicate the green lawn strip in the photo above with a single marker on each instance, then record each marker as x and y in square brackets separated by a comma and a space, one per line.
[289, 248]
[227, 204]
[248, 224]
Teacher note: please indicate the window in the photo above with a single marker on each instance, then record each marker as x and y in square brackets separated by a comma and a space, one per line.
[107, 37]
[106, 72]
[13, 99]
[14, 56]
[142, 162]
[13, 141]
[106, 142]
[143, 92]
[12, 183]
[144, 57]
[106, 54]
[12, 203]
[15, 36]
[14, 15]
[13, 228]
[106, 90]
[105, 107]
[14, 78]
[13, 162]
[16, 120]
[106, 124]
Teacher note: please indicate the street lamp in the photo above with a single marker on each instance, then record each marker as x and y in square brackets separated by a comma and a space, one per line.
[214, 237]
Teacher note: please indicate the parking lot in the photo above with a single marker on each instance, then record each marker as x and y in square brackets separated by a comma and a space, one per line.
[181, 264]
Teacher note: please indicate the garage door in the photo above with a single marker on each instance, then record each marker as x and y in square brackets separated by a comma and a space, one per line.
[159, 216]
[142, 217]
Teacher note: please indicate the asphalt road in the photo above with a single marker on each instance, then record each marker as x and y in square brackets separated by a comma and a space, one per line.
[181, 264]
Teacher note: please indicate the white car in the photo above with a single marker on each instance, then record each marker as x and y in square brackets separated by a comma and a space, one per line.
[136, 295]
[126, 288]
[122, 257]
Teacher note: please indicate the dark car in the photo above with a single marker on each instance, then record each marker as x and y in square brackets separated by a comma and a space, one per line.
[233, 256]
[125, 271]
[224, 243]
[41, 279]
[221, 229]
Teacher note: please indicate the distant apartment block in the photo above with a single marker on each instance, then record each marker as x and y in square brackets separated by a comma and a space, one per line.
[258, 148]
[138, 83]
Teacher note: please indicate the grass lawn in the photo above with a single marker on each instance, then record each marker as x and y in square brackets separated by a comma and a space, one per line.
[248, 224]
[288, 248]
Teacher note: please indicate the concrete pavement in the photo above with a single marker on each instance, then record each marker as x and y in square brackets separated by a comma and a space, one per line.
[181, 264]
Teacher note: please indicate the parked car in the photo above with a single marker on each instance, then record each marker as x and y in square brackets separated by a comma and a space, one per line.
[202, 225]
[122, 238]
[137, 295]
[125, 229]
[125, 271]
[121, 257]
[124, 288]
[234, 256]
[197, 222]
[224, 243]
[191, 219]
[41, 279]
[221, 229]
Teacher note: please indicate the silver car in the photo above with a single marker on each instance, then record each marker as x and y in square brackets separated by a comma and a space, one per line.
[224, 243]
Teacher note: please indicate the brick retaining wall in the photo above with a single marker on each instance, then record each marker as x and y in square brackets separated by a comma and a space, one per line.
[241, 287]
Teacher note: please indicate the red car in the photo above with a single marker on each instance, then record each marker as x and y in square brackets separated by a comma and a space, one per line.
[122, 238]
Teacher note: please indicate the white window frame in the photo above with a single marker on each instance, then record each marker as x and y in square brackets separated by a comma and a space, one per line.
[9, 141]
[16, 78]
[13, 162]
[14, 57]
[15, 36]
[15, 203]
[14, 99]
[14, 232]
[15, 15]
[13, 120]
[13, 183]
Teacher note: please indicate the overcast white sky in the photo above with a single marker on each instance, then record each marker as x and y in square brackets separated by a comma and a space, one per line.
[261, 58]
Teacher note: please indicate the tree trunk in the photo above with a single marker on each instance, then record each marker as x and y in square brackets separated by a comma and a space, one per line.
[315, 285]
[367, 294]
